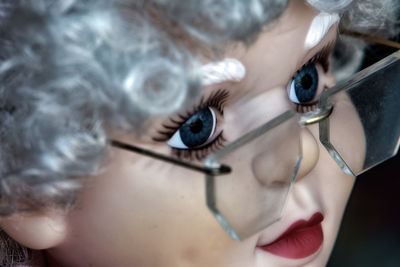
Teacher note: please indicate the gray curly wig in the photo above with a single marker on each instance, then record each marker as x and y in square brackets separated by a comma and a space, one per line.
[69, 68]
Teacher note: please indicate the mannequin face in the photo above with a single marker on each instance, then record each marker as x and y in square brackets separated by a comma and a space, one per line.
[144, 212]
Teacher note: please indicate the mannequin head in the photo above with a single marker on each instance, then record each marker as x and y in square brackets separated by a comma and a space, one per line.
[136, 72]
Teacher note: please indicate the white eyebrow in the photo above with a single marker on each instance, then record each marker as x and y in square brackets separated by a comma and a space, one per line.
[319, 28]
[228, 69]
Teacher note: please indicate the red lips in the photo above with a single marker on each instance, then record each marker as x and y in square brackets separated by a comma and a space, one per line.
[300, 240]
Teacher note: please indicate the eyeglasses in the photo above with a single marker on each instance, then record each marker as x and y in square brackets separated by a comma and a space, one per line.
[247, 181]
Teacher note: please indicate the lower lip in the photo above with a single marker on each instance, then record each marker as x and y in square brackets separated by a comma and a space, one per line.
[302, 239]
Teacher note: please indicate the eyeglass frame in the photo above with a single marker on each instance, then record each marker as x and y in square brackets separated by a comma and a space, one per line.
[319, 115]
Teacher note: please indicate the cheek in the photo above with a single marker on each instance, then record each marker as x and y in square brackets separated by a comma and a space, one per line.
[347, 134]
[140, 206]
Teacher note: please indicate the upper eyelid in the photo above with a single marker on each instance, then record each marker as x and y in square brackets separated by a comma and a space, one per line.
[329, 41]
[216, 99]
[326, 49]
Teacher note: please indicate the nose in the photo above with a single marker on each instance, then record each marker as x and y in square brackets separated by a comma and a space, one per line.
[274, 167]
[275, 156]
[310, 153]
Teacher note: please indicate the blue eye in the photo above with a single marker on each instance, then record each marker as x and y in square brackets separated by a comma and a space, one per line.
[304, 85]
[196, 131]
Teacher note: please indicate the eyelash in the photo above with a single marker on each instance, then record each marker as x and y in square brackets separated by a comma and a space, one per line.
[201, 152]
[216, 100]
[322, 58]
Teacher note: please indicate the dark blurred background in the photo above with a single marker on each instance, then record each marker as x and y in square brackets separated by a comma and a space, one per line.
[370, 231]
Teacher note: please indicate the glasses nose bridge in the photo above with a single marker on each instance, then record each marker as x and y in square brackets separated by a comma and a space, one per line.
[309, 139]
[310, 151]
[319, 114]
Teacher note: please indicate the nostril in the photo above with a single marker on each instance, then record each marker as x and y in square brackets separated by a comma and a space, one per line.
[310, 153]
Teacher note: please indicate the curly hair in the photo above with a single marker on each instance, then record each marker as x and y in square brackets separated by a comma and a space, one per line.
[70, 68]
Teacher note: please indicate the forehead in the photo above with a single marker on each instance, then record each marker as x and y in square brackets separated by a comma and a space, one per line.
[278, 51]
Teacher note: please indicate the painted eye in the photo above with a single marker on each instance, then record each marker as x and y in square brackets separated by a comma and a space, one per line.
[304, 86]
[198, 130]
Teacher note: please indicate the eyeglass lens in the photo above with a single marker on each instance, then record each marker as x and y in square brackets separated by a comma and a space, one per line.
[362, 131]
[264, 165]
[365, 120]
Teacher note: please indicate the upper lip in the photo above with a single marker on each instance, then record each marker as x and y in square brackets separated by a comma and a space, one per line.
[316, 218]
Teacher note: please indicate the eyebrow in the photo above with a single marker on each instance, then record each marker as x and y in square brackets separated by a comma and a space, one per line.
[319, 28]
[228, 69]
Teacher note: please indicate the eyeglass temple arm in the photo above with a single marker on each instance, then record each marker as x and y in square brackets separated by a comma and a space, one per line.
[372, 39]
[220, 170]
